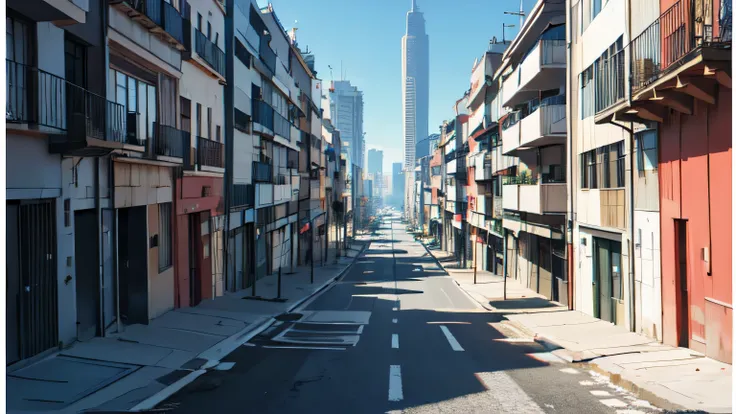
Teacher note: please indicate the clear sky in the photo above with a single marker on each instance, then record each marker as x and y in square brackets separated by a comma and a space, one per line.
[364, 37]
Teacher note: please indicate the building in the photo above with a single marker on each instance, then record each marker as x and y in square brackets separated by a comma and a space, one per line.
[414, 83]
[534, 193]
[375, 161]
[346, 113]
[662, 112]
[397, 184]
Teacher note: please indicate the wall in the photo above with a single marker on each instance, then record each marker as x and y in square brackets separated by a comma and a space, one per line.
[695, 154]
[160, 283]
[135, 32]
[648, 276]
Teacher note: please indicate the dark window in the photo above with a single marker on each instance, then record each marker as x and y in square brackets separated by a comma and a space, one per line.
[242, 121]
[186, 114]
[217, 39]
[67, 212]
[199, 120]
[75, 62]
[618, 151]
[589, 171]
[242, 53]
[139, 100]
[164, 236]
[209, 123]
[199, 22]
[209, 30]
[218, 134]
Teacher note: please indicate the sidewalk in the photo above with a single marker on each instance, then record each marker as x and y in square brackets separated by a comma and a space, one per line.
[142, 365]
[670, 377]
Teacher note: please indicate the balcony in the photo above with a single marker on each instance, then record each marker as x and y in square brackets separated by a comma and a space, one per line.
[209, 52]
[451, 167]
[282, 193]
[264, 194]
[262, 172]
[451, 193]
[511, 132]
[168, 142]
[210, 153]
[51, 10]
[281, 126]
[525, 193]
[681, 57]
[263, 117]
[483, 169]
[500, 162]
[158, 16]
[243, 195]
[542, 69]
[77, 121]
[546, 125]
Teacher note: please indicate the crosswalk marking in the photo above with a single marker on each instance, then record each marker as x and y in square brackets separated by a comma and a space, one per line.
[451, 339]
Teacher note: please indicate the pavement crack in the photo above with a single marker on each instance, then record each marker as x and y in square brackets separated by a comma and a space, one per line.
[297, 384]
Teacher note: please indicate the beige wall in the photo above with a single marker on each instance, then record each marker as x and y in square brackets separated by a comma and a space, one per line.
[160, 285]
[142, 184]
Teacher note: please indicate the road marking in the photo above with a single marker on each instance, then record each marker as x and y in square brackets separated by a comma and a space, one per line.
[587, 383]
[395, 390]
[395, 341]
[319, 348]
[569, 371]
[447, 296]
[360, 330]
[614, 403]
[224, 366]
[394, 320]
[600, 393]
[451, 339]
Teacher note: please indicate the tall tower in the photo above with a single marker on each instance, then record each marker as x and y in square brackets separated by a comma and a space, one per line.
[414, 83]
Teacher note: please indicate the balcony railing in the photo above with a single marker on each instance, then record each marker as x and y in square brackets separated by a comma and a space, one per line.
[610, 81]
[213, 55]
[553, 52]
[267, 55]
[169, 141]
[160, 13]
[520, 180]
[262, 172]
[263, 113]
[281, 126]
[36, 97]
[210, 153]
[244, 195]
[173, 22]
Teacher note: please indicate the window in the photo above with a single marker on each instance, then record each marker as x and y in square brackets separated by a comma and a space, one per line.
[199, 22]
[218, 134]
[589, 173]
[217, 39]
[209, 123]
[75, 62]
[604, 160]
[199, 120]
[242, 53]
[209, 30]
[619, 152]
[646, 156]
[604, 167]
[587, 99]
[186, 114]
[242, 121]
[139, 101]
[164, 236]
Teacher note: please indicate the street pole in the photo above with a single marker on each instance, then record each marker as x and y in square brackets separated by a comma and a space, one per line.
[505, 261]
[281, 264]
[311, 252]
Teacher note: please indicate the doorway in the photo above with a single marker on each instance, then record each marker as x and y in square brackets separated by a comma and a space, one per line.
[195, 277]
[87, 272]
[607, 281]
[681, 282]
[133, 262]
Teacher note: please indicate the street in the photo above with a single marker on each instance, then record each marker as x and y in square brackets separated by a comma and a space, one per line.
[396, 334]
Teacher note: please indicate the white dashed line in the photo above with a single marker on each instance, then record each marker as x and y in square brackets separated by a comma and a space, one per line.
[395, 341]
[614, 403]
[587, 383]
[451, 339]
[395, 390]
[569, 371]
[394, 320]
[599, 393]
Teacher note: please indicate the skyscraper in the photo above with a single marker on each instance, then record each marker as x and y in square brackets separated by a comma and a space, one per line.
[375, 161]
[346, 110]
[414, 83]
[397, 184]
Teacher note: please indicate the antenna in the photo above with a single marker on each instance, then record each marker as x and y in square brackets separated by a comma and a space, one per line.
[520, 13]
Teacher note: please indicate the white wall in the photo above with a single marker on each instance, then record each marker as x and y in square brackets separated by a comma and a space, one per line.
[648, 274]
[607, 26]
[138, 34]
[244, 155]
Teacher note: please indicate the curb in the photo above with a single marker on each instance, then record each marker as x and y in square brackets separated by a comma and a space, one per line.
[478, 304]
[219, 350]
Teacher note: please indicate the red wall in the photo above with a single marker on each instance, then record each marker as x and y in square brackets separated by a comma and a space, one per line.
[189, 200]
[691, 147]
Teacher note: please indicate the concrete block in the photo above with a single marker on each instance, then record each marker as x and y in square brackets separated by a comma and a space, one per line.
[122, 174]
[140, 196]
[164, 195]
[123, 197]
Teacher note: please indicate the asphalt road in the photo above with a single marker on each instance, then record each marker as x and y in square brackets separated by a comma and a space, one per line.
[427, 348]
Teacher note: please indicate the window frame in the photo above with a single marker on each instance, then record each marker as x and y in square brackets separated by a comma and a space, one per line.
[165, 237]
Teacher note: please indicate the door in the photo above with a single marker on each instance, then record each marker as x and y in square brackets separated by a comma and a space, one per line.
[195, 280]
[261, 258]
[239, 262]
[87, 272]
[133, 254]
[250, 255]
[602, 282]
[32, 301]
[683, 297]
[12, 284]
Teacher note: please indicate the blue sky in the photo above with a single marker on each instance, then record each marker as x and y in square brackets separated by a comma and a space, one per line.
[365, 36]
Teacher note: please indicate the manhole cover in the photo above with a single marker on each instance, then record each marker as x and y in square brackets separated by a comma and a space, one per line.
[289, 317]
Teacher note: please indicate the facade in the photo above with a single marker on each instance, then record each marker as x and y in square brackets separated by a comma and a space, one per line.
[534, 193]
[141, 199]
[414, 83]
[670, 104]
[375, 161]
[397, 184]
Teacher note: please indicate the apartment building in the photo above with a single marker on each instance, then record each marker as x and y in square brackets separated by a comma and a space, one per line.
[454, 142]
[485, 230]
[534, 194]
[659, 90]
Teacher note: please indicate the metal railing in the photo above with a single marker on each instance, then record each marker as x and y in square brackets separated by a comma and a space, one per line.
[37, 97]
[557, 177]
[511, 120]
[281, 126]
[153, 9]
[267, 55]
[210, 153]
[244, 195]
[173, 21]
[213, 55]
[262, 172]
[169, 141]
[263, 113]
[162, 14]
[524, 179]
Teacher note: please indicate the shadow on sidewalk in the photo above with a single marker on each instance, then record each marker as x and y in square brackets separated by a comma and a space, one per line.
[523, 303]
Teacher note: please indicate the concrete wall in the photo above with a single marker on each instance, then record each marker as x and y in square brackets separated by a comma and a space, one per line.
[648, 279]
[137, 34]
[160, 283]
[695, 184]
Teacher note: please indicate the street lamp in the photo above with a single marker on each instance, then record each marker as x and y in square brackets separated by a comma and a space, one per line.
[504, 31]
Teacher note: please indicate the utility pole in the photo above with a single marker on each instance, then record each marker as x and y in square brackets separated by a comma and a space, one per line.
[475, 261]
[229, 116]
